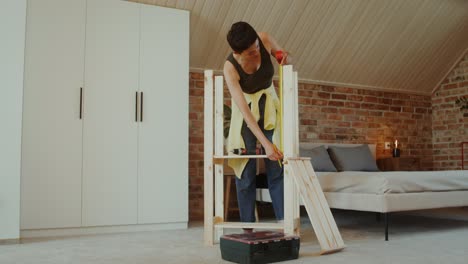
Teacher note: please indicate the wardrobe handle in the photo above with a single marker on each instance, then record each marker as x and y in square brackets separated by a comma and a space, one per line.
[136, 106]
[141, 107]
[81, 102]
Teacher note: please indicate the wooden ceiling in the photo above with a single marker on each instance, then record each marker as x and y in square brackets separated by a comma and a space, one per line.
[402, 45]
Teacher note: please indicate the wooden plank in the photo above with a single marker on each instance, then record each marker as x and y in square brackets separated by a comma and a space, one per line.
[288, 200]
[296, 114]
[240, 156]
[317, 207]
[255, 225]
[208, 161]
[310, 204]
[219, 149]
[326, 208]
[291, 201]
[311, 180]
[299, 158]
[288, 119]
[295, 140]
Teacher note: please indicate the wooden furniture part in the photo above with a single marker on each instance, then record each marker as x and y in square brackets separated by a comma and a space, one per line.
[295, 177]
[316, 205]
[399, 164]
[98, 149]
[214, 164]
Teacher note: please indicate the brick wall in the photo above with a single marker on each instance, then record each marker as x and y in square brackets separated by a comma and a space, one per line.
[430, 128]
[450, 123]
[351, 115]
[332, 114]
[196, 146]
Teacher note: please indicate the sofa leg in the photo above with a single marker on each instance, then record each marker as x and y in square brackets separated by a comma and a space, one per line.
[386, 215]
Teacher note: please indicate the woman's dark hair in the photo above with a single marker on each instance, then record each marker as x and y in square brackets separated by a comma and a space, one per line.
[241, 36]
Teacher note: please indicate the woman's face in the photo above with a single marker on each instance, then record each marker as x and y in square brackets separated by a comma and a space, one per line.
[253, 51]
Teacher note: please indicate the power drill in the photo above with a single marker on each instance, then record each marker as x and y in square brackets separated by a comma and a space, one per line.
[243, 151]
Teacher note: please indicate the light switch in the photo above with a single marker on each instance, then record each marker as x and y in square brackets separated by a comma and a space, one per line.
[387, 145]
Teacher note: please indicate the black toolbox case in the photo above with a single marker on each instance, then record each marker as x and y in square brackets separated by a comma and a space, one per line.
[259, 247]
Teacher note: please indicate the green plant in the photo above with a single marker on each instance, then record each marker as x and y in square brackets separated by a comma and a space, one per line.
[462, 102]
[227, 120]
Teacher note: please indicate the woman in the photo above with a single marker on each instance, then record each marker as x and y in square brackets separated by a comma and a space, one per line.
[249, 72]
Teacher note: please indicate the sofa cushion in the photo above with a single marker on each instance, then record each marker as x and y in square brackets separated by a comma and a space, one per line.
[352, 158]
[319, 158]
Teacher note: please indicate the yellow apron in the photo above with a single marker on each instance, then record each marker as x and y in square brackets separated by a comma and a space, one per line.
[271, 121]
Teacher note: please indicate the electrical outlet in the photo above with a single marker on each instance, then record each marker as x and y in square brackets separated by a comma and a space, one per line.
[387, 145]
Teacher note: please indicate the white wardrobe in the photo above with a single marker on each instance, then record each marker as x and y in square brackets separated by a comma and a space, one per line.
[105, 118]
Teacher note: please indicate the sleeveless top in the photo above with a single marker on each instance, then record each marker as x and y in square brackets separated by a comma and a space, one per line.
[261, 79]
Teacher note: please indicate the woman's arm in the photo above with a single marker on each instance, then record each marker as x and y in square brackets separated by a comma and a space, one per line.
[272, 46]
[232, 80]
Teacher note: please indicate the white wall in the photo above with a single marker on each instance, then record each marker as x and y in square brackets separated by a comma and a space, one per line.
[12, 32]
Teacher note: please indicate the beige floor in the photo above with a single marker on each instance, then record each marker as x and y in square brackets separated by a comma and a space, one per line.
[440, 238]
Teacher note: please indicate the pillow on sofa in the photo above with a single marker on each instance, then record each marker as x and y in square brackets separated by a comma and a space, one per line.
[352, 158]
[319, 158]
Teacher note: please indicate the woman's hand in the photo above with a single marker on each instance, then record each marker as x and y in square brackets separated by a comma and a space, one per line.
[282, 57]
[284, 60]
[272, 152]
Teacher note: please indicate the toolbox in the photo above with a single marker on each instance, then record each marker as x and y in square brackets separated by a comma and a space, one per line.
[259, 247]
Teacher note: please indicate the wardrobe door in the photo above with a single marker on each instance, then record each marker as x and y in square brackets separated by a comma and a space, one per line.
[163, 133]
[110, 128]
[52, 128]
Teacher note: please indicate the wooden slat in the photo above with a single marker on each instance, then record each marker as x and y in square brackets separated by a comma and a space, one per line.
[327, 222]
[288, 119]
[240, 156]
[290, 144]
[296, 115]
[308, 170]
[290, 197]
[250, 225]
[316, 205]
[219, 149]
[295, 140]
[312, 207]
[208, 161]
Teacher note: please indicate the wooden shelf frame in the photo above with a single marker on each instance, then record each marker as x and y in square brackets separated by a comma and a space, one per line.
[214, 158]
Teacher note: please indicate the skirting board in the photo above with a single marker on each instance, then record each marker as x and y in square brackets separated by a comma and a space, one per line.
[9, 241]
[57, 232]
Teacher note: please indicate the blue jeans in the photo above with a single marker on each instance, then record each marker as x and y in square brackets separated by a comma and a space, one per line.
[246, 185]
